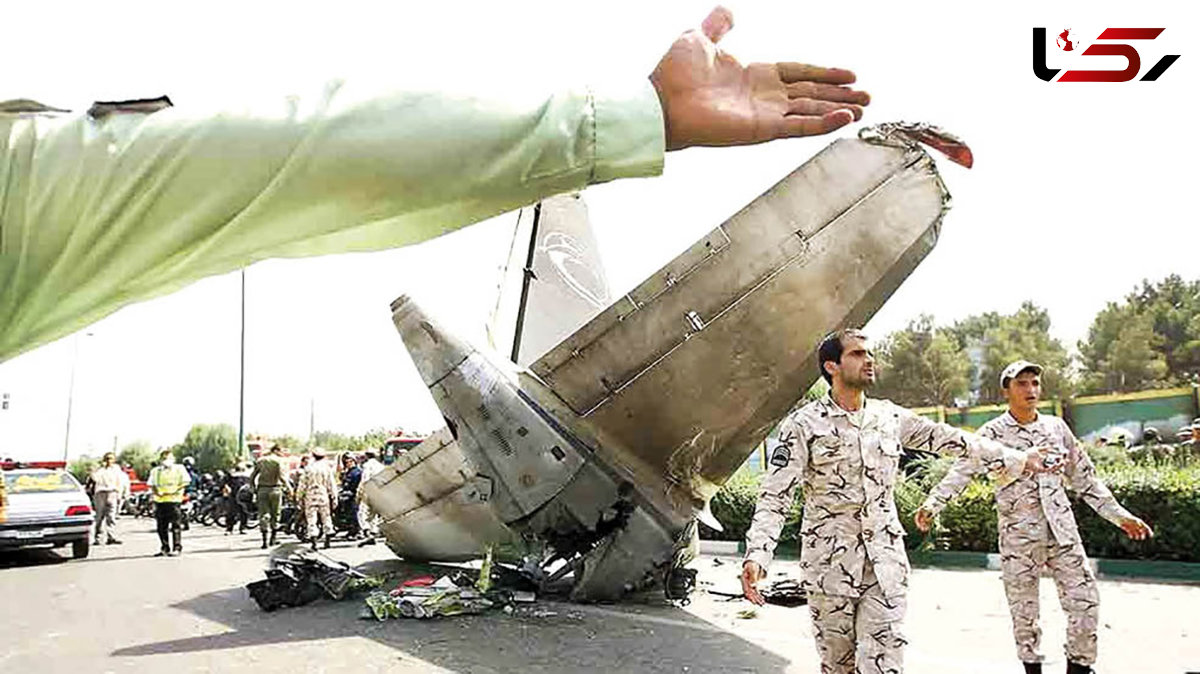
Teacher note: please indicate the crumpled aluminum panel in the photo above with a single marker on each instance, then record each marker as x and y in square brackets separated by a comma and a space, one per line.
[689, 371]
[433, 504]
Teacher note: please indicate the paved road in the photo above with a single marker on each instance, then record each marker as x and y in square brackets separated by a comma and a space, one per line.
[122, 610]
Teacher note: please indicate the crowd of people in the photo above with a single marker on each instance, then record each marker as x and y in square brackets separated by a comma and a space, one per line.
[315, 497]
[1155, 449]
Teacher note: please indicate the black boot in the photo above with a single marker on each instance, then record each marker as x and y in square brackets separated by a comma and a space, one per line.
[328, 538]
[264, 537]
[1076, 668]
[1032, 667]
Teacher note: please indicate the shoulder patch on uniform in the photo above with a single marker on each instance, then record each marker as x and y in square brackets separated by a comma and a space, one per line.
[781, 456]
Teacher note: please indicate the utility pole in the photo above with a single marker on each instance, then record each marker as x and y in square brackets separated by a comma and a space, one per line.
[242, 377]
[71, 398]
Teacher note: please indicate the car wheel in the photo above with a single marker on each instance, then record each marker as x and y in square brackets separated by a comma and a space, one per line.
[80, 548]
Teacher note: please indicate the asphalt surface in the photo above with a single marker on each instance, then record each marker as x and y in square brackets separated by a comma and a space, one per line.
[124, 610]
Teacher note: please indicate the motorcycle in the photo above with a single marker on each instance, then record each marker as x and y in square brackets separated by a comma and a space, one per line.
[141, 504]
[210, 508]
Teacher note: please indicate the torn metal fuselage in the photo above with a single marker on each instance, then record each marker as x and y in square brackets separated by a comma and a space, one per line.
[610, 445]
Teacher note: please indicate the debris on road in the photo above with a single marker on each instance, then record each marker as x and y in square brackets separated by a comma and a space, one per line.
[441, 599]
[297, 576]
[785, 592]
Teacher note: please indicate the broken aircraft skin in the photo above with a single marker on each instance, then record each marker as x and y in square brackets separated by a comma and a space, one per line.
[606, 448]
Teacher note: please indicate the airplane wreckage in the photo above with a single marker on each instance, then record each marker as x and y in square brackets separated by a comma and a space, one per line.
[595, 450]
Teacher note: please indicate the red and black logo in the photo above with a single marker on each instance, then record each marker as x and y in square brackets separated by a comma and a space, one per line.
[1067, 41]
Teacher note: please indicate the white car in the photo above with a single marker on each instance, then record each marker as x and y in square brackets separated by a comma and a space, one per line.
[45, 507]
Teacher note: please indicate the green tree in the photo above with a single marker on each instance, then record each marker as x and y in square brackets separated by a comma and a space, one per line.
[138, 455]
[922, 365]
[1122, 352]
[289, 442]
[338, 442]
[1169, 354]
[376, 437]
[1172, 305]
[994, 340]
[82, 467]
[213, 446]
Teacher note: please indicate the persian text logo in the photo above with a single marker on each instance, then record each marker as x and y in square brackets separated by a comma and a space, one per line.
[1068, 41]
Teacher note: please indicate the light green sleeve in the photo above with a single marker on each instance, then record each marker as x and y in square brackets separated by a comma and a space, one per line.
[97, 214]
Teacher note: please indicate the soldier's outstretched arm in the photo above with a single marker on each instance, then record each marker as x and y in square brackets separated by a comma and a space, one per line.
[784, 475]
[99, 211]
[1081, 477]
[1005, 463]
[948, 489]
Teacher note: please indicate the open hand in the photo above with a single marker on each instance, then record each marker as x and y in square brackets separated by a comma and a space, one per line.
[1136, 529]
[708, 98]
[751, 574]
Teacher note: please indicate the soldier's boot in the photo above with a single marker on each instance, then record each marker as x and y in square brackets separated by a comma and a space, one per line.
[1032, 667]
[264, 537]
[328, 538]
[313, 541]
[272, 537]
[1076, 668]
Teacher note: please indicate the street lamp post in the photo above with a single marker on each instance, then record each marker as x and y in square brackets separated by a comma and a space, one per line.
[242, 377]
[71, 398]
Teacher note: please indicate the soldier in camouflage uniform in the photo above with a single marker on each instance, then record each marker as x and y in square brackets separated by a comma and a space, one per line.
[1037, 526]
[1190, 450]
[318, 492]
[844, 451]
[1153, 449]
[269, 484]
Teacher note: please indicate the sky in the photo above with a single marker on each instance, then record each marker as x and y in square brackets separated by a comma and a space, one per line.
[1079, 192]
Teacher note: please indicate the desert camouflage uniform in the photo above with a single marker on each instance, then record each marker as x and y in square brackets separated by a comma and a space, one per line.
[317, 491]
[1038, 531]
[1187, 451]
[1154, 451]
[852, 560]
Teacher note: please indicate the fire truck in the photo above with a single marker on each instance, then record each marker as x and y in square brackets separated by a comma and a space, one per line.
[399, 443]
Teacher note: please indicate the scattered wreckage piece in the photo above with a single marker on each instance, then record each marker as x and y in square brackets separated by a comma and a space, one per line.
[784, 592]
[442, 598]
[607, 449]
[298, 576]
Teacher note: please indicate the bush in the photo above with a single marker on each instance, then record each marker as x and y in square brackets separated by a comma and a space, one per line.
[82, 468]
[733, 506]
[139, 456]
[1166, 497]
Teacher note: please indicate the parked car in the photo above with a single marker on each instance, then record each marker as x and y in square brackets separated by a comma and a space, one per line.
[46, 507]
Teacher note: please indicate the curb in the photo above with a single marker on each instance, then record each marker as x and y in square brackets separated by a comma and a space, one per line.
[1112, 569]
